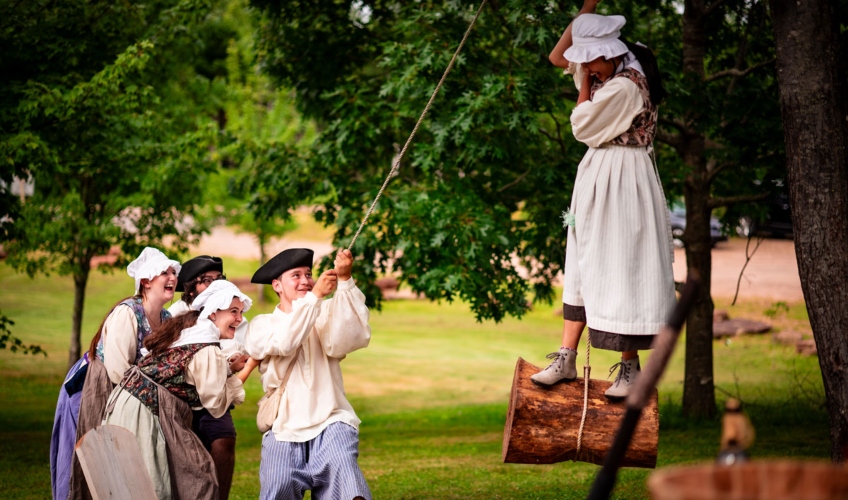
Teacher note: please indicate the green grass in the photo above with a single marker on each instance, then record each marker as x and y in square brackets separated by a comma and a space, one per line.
[432, 391]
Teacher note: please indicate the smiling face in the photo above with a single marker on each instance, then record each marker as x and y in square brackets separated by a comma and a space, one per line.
[160, 289]
[227, 320]
[601, 68]
[292, 285]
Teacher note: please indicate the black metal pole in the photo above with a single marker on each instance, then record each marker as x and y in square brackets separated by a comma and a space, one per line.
[662, 346]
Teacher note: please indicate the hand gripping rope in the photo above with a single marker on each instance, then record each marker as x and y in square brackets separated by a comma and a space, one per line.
[396, 163]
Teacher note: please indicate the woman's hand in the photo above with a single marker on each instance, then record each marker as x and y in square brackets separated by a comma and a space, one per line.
[237, 362]
[556, 56]
[326, 283]
[249, 365]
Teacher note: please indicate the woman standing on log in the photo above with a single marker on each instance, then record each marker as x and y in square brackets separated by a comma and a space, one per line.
[184, 370]
[116, 346]
[618, 274]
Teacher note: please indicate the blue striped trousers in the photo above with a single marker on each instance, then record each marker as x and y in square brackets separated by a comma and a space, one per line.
[326, 465]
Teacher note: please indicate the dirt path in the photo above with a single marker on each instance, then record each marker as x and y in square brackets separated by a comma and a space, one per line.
[771, 274]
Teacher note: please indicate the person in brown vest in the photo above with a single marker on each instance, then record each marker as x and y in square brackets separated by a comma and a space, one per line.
[618, 278]
[184, 370]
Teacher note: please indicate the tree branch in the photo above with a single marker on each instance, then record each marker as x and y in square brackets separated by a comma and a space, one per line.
[558, 138]
[737, 72]
[671, 122]
[748, 256]
[516, 181]
[723, 201]
[713, 172]
[672, 140]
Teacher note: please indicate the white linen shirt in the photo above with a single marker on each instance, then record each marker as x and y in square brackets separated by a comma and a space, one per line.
[328, 330]
[609, 113]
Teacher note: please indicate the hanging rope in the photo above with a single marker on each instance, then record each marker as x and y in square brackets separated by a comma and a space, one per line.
[396, 163]
[587, 369]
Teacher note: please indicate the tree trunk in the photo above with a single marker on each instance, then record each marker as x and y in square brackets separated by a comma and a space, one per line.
[814, 103]
[80, 281]
[698, 386]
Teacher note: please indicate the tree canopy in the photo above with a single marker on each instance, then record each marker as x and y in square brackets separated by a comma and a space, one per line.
[104, 121]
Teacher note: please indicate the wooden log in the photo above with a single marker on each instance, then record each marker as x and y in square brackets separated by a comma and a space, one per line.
[542, 424]
[112, 463]
[766, 480]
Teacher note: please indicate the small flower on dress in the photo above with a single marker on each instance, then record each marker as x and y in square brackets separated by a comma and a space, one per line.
[568, 219]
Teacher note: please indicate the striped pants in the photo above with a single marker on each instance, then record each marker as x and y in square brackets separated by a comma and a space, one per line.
[326, 465]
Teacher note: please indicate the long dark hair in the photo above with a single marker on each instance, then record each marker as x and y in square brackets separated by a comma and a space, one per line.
[652, 71]
[169, 331]
[190, 290]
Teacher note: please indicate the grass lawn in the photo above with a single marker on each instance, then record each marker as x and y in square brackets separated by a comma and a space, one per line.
[432, 391]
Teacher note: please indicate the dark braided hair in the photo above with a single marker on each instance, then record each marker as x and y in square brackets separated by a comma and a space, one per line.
[652, 71]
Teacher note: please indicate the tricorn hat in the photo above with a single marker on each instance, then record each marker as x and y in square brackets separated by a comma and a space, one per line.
[193, 268]
[282, 262]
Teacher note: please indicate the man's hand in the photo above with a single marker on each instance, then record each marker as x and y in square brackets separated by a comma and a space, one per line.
[344, 263]
[326, 283]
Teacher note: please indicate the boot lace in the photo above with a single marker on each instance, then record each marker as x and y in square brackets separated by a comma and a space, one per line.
[557, 358]
[623, 373]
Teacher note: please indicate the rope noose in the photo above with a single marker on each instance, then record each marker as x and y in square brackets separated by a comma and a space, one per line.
[396, 163]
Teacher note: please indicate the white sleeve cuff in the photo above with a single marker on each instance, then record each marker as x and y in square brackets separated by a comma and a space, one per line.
[346, 285]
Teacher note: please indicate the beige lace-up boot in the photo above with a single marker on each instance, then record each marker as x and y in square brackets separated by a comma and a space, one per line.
[563, 368]
[628, 370]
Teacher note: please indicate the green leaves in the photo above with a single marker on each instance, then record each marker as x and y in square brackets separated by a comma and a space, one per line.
[473, 212]
[14, 344]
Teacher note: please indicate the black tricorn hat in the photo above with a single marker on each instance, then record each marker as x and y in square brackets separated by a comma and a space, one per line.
[282, 262]
[193, 268]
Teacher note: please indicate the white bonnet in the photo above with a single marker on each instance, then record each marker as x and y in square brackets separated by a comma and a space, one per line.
[150, 264]
[595, 36]
[219, 295]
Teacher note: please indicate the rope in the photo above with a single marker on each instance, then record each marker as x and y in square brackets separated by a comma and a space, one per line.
[396, 163]
[587, 369]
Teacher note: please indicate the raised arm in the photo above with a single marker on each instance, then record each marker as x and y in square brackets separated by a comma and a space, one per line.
[565, 41]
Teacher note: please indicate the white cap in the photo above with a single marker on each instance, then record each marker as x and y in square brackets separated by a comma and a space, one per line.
[219, 295]
[595, 36]
[150, 264]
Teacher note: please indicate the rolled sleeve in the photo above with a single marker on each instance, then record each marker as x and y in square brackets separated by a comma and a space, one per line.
[609, 114]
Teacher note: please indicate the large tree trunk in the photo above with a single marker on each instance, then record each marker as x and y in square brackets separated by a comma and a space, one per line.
[698, 387]
[814, 103]
[80, 281]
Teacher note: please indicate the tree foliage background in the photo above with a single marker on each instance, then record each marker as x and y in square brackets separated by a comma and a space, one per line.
[102, 107]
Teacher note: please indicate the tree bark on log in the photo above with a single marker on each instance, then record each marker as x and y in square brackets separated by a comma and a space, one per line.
[814, 105]
[543, 423]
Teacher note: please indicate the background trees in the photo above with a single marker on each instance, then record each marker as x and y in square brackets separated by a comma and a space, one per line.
[99, 116]
[475, 210]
